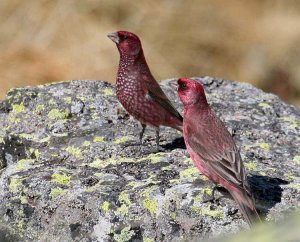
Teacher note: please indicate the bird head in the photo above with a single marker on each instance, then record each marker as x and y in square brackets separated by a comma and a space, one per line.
[191, 92]
[128, 43]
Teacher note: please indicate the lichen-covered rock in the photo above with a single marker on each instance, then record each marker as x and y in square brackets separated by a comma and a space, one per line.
[71, 168]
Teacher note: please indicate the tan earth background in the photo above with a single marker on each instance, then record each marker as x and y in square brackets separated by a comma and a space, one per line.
[254, 41]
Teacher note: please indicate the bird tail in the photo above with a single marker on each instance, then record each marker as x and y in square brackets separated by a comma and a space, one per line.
[179, 128]
[246, 206]
[174, 123]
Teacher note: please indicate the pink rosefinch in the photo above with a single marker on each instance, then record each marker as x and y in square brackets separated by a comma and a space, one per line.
[212, 148]
[138, 91]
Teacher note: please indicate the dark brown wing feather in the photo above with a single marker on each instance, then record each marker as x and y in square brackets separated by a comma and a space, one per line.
[218, 151]
[157, 94]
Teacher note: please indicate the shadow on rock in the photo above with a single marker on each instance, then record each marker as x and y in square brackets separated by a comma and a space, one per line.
[6, 234]
[13, 149]
[177, 143]
[267, 191]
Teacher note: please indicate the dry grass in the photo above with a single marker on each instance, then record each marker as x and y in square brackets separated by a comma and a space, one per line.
[254, 41]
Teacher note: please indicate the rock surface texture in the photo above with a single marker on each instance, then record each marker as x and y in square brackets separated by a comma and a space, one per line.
[71, 168]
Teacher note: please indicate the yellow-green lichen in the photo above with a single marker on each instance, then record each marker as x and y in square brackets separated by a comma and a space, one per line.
[290, 177]
[188, 161]
[151, 205]
[297, 159]
[173, 215]
[86, 143]
[14, 120]
[123, 210]
[60, 134]
[125, 235]
[264, 105]
[15, 183]
[19, 212]
[36, 153]
[18, 108]
[216, 214]
[292, 121]
[295, 186]
[251, 165]
[208, 191]
[90, 189]
[62, 179]
[134, 184]
[23, 163]
[76, 152]
[27, 136]
[45, 140]
[147, 239]
[105, 207]
[58, 114]
[108, 92]
[122, 140]
[154, 158]
[148, 190]
[23, 200]
[124, 198]
[39, 108]
[191, 173]
[20, 226]
[98, 139]
[68, 99]
[56, 192]
[51, 102]
[98, 163]
[262, 173]
[264, 146]
[98, 174]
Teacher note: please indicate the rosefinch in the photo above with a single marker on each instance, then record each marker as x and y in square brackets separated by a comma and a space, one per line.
[212, 148]
[138, 91]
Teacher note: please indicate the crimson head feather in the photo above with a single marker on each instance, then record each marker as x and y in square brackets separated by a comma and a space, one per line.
[191, 92]
[128, 43]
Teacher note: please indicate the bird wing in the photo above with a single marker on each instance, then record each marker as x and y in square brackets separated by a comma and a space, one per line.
[225, 162]
[157, 94]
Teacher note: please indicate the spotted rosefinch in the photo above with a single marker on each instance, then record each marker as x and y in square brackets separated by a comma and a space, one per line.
[138, 91]
[212, 148]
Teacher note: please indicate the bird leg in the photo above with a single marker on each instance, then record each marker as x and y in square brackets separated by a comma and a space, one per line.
[213, 199]
[142, 133]
[157, 138]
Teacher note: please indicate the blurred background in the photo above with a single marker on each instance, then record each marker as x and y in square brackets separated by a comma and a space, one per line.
[254, 41]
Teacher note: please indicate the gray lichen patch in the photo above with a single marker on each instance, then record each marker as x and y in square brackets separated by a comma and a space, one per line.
[72, 167]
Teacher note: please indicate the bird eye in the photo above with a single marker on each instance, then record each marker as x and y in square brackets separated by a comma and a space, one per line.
[125, 37]
[183, 86]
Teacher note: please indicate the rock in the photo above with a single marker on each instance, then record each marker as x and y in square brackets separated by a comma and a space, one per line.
[283, 231]
[71, 168]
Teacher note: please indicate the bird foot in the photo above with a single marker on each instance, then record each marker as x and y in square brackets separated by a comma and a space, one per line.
[212, 200]
[211, 197]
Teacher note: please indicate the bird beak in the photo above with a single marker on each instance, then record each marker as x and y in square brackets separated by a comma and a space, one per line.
[173, 84]
[114, 37]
